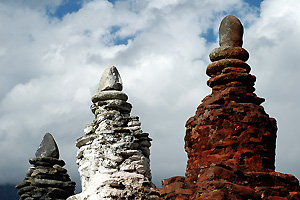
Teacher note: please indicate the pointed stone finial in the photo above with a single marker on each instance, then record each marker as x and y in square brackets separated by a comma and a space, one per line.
[110, 80]
[48, 147]
[231, 32]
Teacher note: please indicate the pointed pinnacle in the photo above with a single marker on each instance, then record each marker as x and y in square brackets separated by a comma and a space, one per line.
[231, 32]
[48, 147]
[110, 80]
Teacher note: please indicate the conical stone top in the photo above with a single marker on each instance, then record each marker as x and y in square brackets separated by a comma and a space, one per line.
[110, 80]
[46, 179]
[231, 32]
[48, 147]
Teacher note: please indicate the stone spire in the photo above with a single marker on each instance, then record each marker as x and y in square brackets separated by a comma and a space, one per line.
[234, 128]
[231, 140]
[47, 179]
[113, 155]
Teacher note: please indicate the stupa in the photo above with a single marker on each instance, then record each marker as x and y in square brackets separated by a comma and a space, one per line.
[231, 140]
[113, 155]
[47, 179]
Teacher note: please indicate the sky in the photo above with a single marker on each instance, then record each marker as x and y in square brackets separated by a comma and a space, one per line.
[53, 52]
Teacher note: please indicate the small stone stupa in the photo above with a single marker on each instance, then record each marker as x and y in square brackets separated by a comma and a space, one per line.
[113, 155]
[231, 140]
[47, 179]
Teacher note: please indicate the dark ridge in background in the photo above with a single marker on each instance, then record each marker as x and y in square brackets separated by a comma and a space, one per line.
[8, 192]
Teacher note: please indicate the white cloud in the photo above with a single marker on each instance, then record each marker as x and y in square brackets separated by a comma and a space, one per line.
[50, 69]
[273, 44]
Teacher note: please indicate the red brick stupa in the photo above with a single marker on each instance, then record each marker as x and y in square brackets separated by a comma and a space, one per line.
[231, 140]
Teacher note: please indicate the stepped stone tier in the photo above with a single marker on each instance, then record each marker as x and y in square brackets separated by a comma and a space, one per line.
[231, 140]
[47, 179]
[113, 155]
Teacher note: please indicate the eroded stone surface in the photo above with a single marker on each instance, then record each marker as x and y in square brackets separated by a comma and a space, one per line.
[110, 80]
[113, 156]
[231, 140]
[231, 32]
[48, 147]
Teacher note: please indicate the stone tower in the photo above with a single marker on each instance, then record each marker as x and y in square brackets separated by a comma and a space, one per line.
[113, 155]
[231, 140]
[47, 179]
[230, 126]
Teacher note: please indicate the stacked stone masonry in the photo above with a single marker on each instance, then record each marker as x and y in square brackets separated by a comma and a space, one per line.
[47, 179]
[231, 140]
[113, 155]
[230, 143]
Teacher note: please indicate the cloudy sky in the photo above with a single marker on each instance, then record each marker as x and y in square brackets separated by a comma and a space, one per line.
[53, 52]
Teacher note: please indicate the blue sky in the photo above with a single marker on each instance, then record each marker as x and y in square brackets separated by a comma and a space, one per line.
[69, 6]
[53, 53]
[66, 7]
